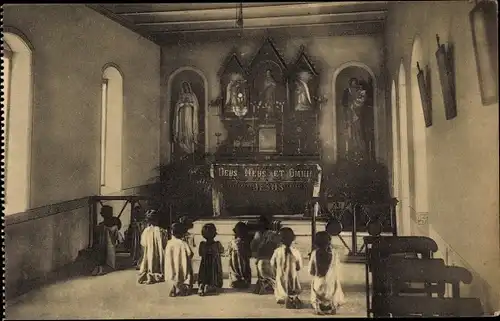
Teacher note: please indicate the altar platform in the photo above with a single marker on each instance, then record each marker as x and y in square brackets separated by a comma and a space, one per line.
[301, 226]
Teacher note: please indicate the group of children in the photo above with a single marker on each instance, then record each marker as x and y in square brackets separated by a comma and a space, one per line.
[278, 263]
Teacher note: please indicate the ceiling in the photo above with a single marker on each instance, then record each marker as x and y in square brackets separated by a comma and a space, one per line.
[165, 22]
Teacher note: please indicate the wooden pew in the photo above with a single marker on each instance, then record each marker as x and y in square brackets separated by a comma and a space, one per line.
[379, 248]
[432, 272]
[432, 307]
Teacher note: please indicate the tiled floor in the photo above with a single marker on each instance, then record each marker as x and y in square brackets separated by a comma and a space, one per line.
[118, 295]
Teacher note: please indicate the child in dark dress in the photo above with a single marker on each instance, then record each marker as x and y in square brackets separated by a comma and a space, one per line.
[107, 236]
[210, 273]
[239, 252]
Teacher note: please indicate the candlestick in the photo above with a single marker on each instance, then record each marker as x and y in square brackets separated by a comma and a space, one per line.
[218, 136]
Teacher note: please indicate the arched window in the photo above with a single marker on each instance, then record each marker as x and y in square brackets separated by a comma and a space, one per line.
[111, 130]
[7, 70]
[404, 227]
[420, 198]
[396, 163]
[17, 93]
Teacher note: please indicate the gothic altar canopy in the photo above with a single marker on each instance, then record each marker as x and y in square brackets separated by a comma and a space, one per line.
[269, 107]
[269, 160]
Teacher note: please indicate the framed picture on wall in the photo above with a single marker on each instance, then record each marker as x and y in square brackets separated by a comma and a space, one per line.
[267, 139]
[446, 69]
[483, 20]
[425, 94]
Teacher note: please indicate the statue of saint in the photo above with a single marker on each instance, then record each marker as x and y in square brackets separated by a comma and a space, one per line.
[236, 95]
[186, 119]
[267, 94]
[303, 99]
[353, 100]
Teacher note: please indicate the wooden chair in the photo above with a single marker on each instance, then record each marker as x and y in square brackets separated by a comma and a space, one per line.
[379, 248]
[432, 307]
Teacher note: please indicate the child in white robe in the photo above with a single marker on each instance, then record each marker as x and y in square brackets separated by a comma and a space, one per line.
[153, 242]
[188, 236]
[287, 261]
[178, 263]
[324, 267]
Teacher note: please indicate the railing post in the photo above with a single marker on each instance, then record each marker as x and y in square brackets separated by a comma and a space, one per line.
[91, 223]
[313, 227]
[393, 216]
[354, 235]
[92, 220]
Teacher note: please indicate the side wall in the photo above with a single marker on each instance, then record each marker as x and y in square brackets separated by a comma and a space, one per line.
[462, 153]
[327, 53]
[72, 44]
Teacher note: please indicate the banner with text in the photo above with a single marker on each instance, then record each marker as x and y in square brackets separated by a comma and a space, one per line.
[268, 177]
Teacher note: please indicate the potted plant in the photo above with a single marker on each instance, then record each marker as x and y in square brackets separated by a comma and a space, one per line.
[182, 188]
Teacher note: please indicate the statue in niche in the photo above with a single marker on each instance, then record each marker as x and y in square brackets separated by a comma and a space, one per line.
[186, 119]
[236, 95]
[302, 94]
[268, 92]
[354, 100]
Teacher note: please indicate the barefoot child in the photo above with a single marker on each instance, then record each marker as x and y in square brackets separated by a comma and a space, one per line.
[240, 273]
[178, 263]
[324, 267]
[263, 245]
[188, 225]
[210, 272]
[107, 235]
[287, 261]
[153, 242]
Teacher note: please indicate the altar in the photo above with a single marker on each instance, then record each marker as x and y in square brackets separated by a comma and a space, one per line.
[268, 162]
[264, 188]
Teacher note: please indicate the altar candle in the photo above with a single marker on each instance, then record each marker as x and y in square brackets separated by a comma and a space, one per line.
[316, 209]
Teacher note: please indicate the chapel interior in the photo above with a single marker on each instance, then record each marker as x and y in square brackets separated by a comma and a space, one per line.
[371, 117]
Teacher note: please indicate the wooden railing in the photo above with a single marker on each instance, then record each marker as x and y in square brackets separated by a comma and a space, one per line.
[94, 201]
[378, 218]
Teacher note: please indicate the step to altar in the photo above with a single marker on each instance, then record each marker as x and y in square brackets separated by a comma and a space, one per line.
[301, 227]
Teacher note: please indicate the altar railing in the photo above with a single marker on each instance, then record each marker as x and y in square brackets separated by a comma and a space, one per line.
[373, 219]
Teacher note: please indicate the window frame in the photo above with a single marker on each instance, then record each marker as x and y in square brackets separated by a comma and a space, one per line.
[104, 119]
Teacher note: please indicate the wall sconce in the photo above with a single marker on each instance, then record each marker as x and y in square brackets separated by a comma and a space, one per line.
[424, 85]
[483, 20]
[218, 135]
[216, 105]
[445, 62]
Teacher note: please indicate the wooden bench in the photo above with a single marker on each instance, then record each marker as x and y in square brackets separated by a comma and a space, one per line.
[379, 248]
[401, 276]
[432, 307]
[433, 273]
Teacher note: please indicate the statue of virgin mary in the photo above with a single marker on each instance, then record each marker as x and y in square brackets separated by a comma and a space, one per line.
[186, 119]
